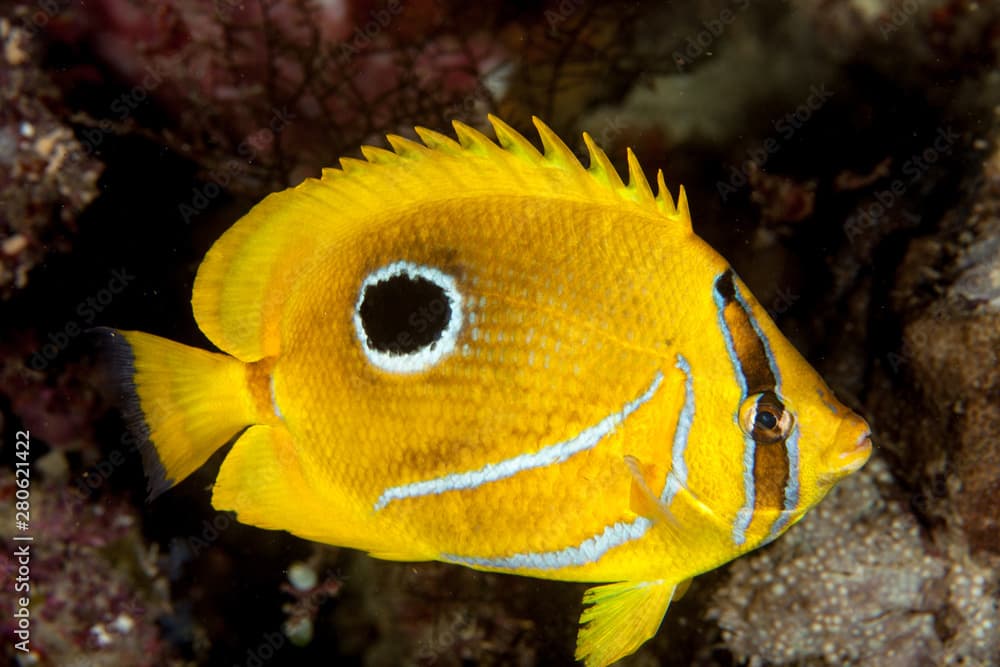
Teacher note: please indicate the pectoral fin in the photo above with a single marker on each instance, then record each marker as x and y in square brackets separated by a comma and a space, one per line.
[620, 618]
[643, 501]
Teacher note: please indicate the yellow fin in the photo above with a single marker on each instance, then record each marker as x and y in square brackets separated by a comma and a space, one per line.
[637, 183]
[183, 402]
[438, 141]
[601, 167]
[620, 618]
[406, 555]
[248, 273]
[682, 588]
[643, 501]
[263, 480]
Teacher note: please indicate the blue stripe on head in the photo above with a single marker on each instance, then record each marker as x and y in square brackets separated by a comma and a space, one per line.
[792, 487]
[727, 336]
[745, 513]
[677, 477]
[727, 292]
[830, 406]
[791, 499]
[792, 490]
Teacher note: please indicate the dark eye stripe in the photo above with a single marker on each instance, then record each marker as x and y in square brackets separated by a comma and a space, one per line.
[754, 361]
[769, 484]
[770, 475]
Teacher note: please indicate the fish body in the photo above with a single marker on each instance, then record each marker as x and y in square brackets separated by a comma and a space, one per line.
[488, 355]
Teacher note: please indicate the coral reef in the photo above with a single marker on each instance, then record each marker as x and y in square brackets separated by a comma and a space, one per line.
[94, 584]
[60, 411]
[45, 179]
[947, 364]
[297, 84]
[843, 154]
[860, 581]
[433, 614]
[307, 593]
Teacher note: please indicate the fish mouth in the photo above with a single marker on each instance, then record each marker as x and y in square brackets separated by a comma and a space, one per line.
[851, 446]
[855, 457]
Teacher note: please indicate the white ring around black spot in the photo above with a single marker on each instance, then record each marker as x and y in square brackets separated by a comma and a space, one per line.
[424, 357]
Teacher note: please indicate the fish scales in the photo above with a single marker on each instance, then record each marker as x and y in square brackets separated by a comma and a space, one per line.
[568, 319]
[486, 354]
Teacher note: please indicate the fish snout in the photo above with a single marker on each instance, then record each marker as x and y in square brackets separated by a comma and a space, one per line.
[852, 445]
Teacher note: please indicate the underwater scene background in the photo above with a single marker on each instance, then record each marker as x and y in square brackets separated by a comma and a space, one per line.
[843, 155]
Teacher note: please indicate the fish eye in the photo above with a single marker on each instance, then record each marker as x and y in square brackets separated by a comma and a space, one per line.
[764, 418]
[407, 316]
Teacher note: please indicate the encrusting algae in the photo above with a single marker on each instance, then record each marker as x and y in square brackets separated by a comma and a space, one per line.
[487, 355]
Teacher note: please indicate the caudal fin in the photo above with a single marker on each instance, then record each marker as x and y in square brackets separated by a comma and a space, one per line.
[182, 403]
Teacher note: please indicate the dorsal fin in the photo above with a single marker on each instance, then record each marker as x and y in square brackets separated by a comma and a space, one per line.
[512, 142]
[245, 277]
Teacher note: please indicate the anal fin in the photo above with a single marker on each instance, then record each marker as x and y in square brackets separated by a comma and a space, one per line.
[682, 588]
[263, 479]
[620, 618]
[406, 555]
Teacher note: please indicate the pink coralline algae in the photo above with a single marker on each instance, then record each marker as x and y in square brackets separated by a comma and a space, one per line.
[94, 587]
[262, 94]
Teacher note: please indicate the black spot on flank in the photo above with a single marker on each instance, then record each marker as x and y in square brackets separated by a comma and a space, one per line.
[404, 313]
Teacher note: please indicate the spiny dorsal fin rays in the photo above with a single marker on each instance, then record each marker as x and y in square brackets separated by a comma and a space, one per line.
[555, 150]
[513, 142]
[350, 165]
[513, 151]
[509, 149]
[664, 200]
[438, 141]
[559, 154]
[682, 211]
[475, 142]
[637, 182]
[377, 155]
[600, 166]
[406, 148]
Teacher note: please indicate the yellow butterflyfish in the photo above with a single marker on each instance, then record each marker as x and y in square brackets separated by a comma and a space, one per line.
[485, 354]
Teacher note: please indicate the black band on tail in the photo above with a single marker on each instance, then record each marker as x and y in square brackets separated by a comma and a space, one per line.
[117, 357]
